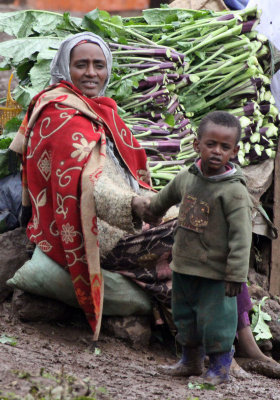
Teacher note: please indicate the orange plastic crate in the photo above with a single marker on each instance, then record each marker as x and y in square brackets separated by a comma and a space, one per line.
[84, 5]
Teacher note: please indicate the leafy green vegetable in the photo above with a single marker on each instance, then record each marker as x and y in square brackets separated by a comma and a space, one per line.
[94, 21]
[171, 67]
[10, 128]
[5, 142]
[40, 74]
[28, 22]
[201, 386]
[69, 24]
[259, 324]
[24, 48]
[166, 15]
[8, 340]
[97, 351]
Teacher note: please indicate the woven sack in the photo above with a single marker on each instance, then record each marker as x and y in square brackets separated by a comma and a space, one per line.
[214, 5]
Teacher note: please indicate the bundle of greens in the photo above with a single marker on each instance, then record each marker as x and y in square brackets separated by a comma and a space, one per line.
[171, 67]
[232, 62]
[144, 83]
[145, 77]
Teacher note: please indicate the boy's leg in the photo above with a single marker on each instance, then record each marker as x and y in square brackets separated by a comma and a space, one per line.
[216, 325]
[192, 361]
[216, 316]
[184, 316]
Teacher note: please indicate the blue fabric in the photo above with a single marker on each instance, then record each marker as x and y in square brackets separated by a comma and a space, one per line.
[10, 202]
[236, 4]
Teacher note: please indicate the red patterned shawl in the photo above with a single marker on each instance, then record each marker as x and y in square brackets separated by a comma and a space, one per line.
[63, 156]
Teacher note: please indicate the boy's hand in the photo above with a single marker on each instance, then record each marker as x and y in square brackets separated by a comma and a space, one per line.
[141, 207]
[150, 218]
[233, 288]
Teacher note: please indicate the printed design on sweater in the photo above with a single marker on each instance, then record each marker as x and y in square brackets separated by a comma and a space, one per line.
[193, 213]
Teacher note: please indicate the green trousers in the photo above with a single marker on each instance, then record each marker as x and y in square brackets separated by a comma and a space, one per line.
[203, 315]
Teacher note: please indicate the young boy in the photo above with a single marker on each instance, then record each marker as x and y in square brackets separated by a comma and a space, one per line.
[210, 255]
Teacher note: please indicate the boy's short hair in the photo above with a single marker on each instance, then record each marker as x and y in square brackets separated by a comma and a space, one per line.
[220, 118]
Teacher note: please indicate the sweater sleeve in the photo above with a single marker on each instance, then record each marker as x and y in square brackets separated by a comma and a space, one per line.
[239, 239]
[168, 196]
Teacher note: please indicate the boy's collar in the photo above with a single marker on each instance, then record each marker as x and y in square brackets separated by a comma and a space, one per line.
[230, 169]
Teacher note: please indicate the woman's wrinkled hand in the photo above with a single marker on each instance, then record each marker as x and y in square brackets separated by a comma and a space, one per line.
[233, 288]
[141, 208]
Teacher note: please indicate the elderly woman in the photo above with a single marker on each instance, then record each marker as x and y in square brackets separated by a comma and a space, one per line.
[84, 175]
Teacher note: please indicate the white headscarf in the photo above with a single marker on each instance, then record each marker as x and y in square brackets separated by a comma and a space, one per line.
[60, 64]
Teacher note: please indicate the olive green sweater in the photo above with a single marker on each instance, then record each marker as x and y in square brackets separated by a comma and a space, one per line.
[214, 232]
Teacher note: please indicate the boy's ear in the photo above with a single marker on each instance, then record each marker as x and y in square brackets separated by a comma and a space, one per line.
[196, 145]
[235, 152]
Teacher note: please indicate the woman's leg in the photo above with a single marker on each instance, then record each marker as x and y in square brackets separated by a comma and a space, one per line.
[247, 346]
[237, 371]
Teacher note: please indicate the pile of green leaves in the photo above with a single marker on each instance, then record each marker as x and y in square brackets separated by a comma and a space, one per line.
[232, 62]
[37, 36]
[45, 385]
[171, 67]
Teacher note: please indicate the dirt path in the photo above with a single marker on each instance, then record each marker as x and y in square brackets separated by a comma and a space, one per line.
[56, 359]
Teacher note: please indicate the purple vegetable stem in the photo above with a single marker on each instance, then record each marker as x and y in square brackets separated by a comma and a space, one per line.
[247, 26]
[225, 17]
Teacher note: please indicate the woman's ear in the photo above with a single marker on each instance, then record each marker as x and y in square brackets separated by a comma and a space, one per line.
[196, 145]
[235, 152]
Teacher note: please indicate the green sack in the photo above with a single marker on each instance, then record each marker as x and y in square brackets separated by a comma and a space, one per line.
[43, 276]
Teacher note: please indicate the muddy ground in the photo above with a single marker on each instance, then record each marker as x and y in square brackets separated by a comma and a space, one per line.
[56, 360]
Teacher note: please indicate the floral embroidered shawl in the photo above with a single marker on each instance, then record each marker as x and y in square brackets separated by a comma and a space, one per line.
[63, 156]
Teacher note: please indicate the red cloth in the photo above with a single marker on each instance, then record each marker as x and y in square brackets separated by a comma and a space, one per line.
[65, 148]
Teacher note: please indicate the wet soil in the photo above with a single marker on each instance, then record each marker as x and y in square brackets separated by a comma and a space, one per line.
[58, 360]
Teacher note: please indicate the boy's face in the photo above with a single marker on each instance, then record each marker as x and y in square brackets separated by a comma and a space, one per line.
[216, 147]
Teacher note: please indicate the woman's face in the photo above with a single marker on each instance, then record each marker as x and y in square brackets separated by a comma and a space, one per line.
[88, 68]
